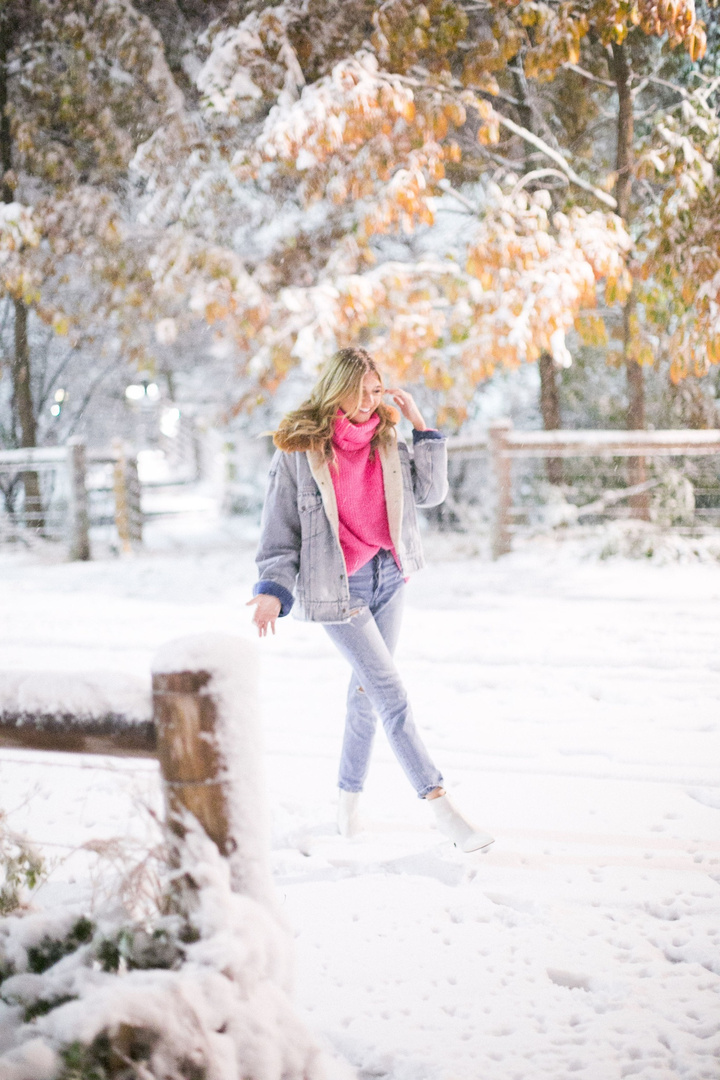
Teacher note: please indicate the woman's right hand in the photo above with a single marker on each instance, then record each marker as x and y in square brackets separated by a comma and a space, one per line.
[267, 609]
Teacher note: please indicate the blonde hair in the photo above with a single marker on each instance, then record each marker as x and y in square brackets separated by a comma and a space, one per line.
[311, 425]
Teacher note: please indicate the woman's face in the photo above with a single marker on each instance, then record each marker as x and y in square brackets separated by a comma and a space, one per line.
[371, 395]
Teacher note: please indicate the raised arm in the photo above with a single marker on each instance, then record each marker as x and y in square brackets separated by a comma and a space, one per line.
[429, 464]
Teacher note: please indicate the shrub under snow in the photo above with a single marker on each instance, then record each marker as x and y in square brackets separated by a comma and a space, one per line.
[197, 991]
[198, 997]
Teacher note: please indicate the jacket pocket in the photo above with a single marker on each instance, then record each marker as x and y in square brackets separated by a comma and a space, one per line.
[312, 513]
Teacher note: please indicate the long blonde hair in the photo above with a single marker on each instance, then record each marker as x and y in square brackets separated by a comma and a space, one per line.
[311, 425]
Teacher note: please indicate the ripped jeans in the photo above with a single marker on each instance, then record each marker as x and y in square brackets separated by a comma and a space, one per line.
[368, 642]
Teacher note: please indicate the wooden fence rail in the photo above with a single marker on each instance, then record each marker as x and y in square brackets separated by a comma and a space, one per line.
[199, 718]
[110, 735]
[504, 445]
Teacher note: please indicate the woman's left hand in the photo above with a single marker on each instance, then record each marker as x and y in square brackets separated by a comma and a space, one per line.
[406, 404]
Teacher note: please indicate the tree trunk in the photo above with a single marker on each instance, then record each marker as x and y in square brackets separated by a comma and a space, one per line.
[550, 409]
[22, 400]
[549, 390]
[636, 386]
[625, 131]
[22, 389]
[622, 74]
[5, 130]
[21, 377]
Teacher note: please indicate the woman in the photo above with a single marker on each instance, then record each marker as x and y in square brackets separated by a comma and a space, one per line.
[339, 535]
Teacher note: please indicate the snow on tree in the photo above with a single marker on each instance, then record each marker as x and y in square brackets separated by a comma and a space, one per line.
[614, 41]
[374, 140]
[539, 272]
[81, 85]
[254, 169]
[683, 262]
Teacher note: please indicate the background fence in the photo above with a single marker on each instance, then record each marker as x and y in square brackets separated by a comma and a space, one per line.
[597, 468]
[57, 493]
[510, 479]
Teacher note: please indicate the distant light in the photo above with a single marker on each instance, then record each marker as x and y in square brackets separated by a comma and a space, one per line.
[166, 331]
[170, 422]
[134, 392]
[60, 395]
[55, 409]
[153, 391]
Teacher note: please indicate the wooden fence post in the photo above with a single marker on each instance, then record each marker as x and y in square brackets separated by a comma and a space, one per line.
[550, 409]
[209, 752]
[132, 486]
[120, 492]
[501, 537]
[185, 720]
[126, 485]
[78, 519]
[639, 502]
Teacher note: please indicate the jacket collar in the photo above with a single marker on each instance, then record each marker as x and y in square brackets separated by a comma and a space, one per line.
[392, 481]
[321, 475]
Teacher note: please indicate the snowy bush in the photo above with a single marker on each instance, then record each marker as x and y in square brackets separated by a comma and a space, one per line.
[21, 869]
[192, 986]
[673, 500]
[646, 540]
[192, 994]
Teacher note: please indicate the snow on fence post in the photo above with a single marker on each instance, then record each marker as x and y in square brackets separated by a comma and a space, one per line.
[501, 537]
[209, 748]
[78, 519]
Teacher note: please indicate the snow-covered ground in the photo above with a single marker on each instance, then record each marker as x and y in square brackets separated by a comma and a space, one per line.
[573, 707]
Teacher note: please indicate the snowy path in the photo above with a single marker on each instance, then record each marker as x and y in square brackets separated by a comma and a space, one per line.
[573, 708]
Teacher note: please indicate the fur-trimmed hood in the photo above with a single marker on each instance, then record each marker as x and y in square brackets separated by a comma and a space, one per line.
[291, 444]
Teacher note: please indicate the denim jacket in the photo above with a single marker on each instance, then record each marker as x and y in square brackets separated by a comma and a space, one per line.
[300, 557]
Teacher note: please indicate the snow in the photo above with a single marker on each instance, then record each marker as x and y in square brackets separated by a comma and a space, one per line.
[86, 696]
[17, 229]
[226, 1003]
[232, 664]
[36, 1061]
[572, 705]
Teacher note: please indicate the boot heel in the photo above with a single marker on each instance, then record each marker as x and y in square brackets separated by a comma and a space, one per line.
[456, 827]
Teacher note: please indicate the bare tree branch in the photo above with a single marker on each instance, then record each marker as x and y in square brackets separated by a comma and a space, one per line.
[447, 187]
[536, 174]
[559, 160]
[512, 165]
[534, 140]
[660, 82]
[588, 75]
[88, 396]
[49, 386]
[529, 101]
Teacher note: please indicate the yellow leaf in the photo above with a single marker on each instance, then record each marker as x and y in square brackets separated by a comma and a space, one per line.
[591, 329]
[697, 44]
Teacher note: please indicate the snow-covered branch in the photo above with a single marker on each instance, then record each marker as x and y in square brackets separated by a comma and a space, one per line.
[540, 144]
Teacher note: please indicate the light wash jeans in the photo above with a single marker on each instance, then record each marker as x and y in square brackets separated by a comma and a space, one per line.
[368, 643]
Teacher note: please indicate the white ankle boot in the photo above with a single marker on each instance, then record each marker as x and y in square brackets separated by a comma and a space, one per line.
[348, 819]
[451, 822]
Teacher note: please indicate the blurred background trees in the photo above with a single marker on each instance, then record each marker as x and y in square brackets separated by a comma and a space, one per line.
[216, 195]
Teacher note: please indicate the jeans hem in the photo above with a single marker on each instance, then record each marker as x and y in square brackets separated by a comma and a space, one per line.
[431, 787]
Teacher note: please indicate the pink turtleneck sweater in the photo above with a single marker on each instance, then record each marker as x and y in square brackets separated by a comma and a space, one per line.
[360, 493]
